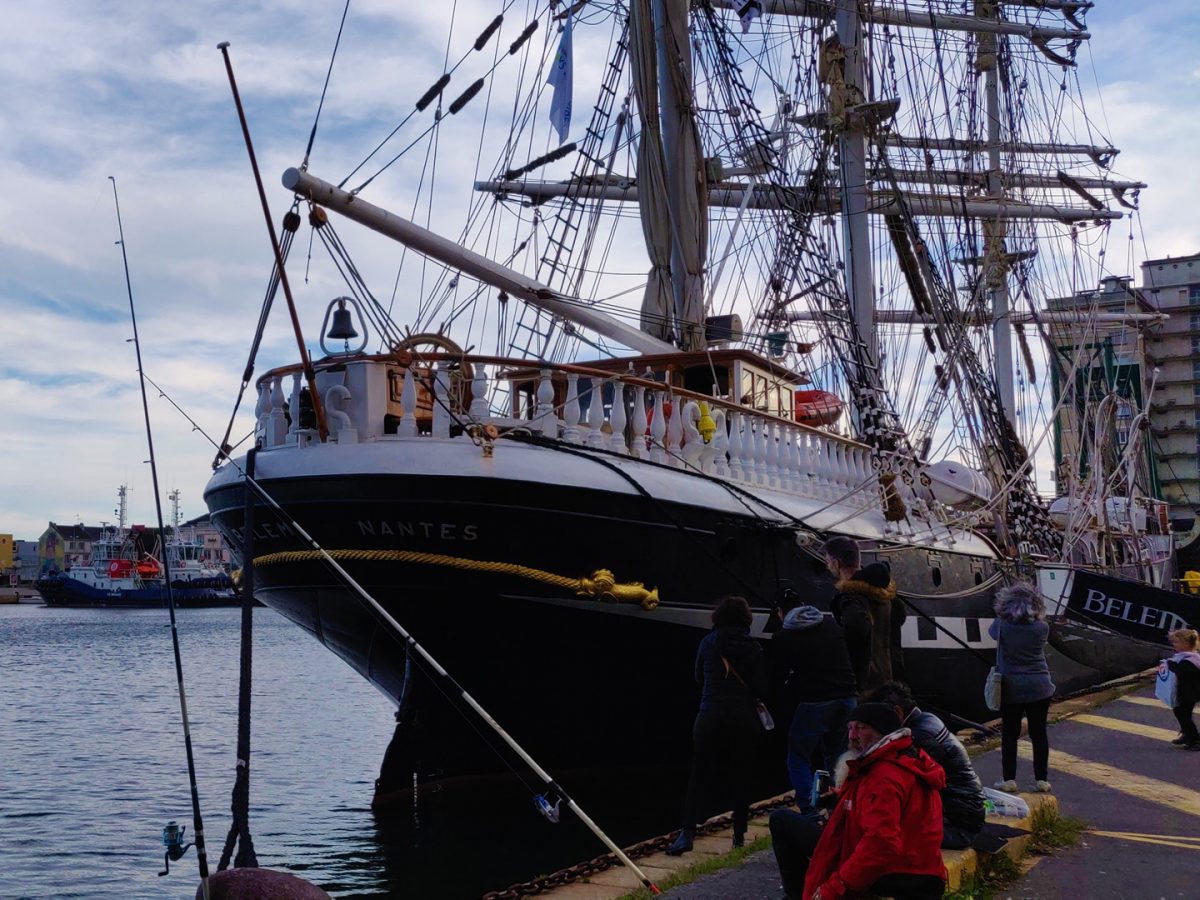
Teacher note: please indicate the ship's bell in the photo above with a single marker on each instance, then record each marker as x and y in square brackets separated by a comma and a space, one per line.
[342, 328]
[338, 326]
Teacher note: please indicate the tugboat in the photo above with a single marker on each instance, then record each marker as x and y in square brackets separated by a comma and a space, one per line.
[126, 570]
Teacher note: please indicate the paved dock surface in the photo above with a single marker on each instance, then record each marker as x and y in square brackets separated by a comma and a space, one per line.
[1115, 768]
[1112, 766]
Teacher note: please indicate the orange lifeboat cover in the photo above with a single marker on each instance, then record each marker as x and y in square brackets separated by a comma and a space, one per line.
[817, 407]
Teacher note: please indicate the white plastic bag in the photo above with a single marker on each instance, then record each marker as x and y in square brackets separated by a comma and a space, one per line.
[1002, 804]
[1165, 685]
[991, 690]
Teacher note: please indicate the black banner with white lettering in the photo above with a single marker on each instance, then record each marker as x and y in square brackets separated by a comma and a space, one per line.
[1127, 607]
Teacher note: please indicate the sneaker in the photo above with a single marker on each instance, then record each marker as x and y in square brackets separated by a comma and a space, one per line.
[683, 843]
[1179, 741]
[1042, 787]
[1009, 786]
[1194, 745]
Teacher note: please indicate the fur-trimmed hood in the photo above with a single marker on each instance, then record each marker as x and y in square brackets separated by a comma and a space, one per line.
[874, 582]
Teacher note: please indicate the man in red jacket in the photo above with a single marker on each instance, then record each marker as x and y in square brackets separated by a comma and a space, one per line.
[885, 832]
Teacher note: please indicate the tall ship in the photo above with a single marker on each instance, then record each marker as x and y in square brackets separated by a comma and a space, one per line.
[127, 570]
[785, 274]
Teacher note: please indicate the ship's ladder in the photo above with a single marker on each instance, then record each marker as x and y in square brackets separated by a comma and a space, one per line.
[575, 221]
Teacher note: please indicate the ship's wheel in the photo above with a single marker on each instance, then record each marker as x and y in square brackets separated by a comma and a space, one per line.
[408, 351]
[434, 341]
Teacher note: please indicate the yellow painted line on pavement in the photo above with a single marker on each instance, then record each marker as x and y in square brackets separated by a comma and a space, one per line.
[1164, 793]
[1144, 701]
[1163, 840]
[1150, 731]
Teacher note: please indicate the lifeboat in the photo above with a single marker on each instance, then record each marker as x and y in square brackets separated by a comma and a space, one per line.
[148, 568]
[815, 408]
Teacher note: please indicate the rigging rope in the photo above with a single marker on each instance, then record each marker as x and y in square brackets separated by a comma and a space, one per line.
[239, 827]
[291, 222]
[313, 134]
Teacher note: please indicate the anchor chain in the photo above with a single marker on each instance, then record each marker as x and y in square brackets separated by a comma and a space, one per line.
[607, 861]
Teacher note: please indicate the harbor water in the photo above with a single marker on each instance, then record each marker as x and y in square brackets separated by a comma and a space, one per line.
[93, 767]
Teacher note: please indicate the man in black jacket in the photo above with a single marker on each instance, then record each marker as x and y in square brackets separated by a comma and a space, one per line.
[962, 799]
[863, 607]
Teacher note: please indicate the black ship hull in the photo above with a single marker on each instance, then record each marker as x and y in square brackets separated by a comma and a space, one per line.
[579, 681]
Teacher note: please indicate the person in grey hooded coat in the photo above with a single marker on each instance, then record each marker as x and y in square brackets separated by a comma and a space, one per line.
[814, 685]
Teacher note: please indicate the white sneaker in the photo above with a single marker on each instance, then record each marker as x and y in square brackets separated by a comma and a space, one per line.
[1042, 787]
[1009, 787]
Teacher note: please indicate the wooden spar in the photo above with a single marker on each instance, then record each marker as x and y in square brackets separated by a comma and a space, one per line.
[477, 266]
[876, 14]
[917, 142]
[915, 318]
[309, 373]
[766, 197]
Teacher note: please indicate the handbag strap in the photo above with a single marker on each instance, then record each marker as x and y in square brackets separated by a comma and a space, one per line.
[729, 668]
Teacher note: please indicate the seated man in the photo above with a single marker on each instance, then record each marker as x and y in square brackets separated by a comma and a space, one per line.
[962, 797]
[885, 831]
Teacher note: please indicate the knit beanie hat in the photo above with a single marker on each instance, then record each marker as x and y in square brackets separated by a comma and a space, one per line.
[879, 716]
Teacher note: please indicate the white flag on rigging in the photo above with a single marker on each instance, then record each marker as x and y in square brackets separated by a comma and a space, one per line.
[748, 12]
[561, 79]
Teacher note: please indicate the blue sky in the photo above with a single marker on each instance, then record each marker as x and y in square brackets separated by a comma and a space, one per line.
[137, 90]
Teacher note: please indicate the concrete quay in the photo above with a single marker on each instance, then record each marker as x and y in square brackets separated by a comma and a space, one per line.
[1111, 764]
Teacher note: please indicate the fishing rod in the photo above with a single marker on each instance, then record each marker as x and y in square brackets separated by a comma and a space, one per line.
[172, 834]
[547, 803]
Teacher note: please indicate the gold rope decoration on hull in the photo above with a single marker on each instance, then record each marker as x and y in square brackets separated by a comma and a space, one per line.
[601, 585]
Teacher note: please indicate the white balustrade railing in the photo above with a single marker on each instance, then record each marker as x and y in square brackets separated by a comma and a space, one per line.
[649, 422]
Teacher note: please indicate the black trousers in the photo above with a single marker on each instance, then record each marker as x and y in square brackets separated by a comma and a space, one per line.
[955, 837]
[723, 752]
[1035, 714]
[1183, 712]
[794, 837]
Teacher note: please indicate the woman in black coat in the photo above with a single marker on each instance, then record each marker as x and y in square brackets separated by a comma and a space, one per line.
[731, 671]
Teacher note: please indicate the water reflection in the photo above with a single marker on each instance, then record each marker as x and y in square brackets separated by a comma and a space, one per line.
[94, 767]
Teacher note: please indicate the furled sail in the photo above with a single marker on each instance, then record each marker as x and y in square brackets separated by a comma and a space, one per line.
[673, 195]
[657, 304]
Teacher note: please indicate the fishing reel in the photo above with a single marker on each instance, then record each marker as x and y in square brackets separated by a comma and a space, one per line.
[547, 804]
[172, 838]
